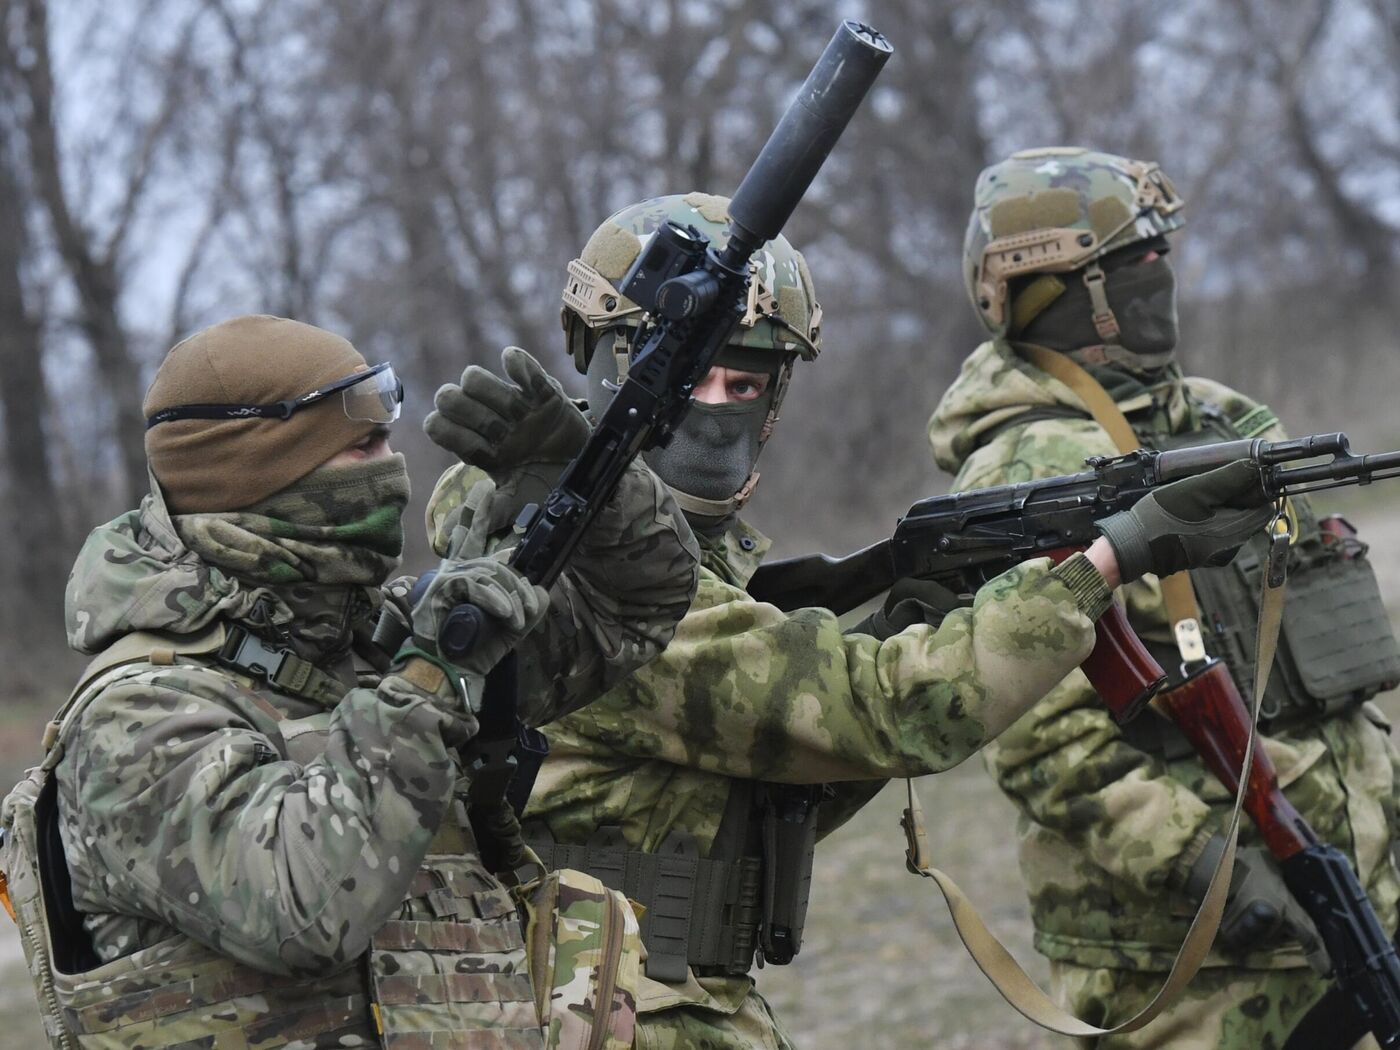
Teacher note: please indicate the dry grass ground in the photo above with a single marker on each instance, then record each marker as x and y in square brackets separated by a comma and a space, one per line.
[881, 966]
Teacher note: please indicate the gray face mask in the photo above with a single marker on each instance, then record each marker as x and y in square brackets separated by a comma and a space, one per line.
[712, 452]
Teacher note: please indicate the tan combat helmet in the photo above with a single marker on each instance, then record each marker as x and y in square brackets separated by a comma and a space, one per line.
[1056, 210]
[782, 317]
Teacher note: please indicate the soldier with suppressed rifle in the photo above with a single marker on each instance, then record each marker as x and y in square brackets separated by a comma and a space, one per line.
[700, 785]
[248, 827]
[1066, 257]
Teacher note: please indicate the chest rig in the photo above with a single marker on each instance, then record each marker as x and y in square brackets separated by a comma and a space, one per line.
[1335, 649]
[447, 970]
[712, 914]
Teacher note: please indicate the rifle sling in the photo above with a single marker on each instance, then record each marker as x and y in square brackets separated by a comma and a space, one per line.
[991, 956]
[1178, 595]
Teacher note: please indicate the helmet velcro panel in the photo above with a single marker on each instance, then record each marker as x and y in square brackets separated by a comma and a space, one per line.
[1107, 216]
[611, 250]
[712, 207]
[1048, 209]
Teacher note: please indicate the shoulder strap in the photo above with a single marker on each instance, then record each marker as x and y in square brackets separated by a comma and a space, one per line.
[1178, 595]
[987, 951]
[139, 647]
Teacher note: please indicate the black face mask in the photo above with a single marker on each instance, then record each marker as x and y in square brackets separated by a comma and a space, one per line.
[1142, 296]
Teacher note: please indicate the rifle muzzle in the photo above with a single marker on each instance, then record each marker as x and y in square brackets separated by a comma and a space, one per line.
[809, 129]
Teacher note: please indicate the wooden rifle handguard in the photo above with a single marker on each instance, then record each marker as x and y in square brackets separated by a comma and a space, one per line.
[1208, 710]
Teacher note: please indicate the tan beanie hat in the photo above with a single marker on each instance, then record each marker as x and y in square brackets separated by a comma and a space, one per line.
[206, 465]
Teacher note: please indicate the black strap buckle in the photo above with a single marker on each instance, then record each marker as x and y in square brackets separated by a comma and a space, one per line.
[248, 653]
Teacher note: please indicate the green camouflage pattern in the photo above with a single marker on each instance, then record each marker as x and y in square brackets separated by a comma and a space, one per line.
[785, 315]
[1103, 823]
[1061, 188]
[585, 944]
[629, 581]
[745, 691]
[337, 525]
[1222, 1007]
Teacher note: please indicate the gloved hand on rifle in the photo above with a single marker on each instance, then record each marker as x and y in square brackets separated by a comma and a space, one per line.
[908, 602]
[513, 606]
[1191, 523]
[1260, 913]
[522, 429]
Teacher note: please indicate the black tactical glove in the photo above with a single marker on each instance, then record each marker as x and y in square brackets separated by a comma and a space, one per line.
[512, 604]
[908, 602]
[1260, 913]
[498, 423]
[1190, 523]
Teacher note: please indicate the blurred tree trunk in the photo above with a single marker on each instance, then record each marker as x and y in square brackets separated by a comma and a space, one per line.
[92, 270]
[37, 533]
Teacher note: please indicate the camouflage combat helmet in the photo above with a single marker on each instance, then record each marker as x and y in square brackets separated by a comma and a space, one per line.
[783, 313]
[782, 323]
[1056, 210]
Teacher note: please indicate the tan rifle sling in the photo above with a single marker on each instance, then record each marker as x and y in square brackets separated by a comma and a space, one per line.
[987, 951]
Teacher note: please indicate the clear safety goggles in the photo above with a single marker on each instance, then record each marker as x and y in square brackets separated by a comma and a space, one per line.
[372, 396]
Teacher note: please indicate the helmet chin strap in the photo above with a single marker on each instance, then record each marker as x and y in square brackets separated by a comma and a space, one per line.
[1105, 323]
[719, 509]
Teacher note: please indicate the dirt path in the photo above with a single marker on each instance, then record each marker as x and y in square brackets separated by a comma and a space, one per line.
[20, 1028]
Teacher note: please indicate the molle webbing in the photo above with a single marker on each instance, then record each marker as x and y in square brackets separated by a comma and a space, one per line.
[700, 913]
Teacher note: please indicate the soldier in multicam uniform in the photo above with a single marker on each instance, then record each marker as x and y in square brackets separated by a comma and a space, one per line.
[1121, 828]
[700, 785]
[260, 813]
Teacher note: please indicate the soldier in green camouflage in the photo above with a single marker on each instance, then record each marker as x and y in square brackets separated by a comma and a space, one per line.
[700, 785]
[260, 812]
[1066, 251]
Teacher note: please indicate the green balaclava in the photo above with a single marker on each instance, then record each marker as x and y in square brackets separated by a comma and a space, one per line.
[321, 547]
[340, 525]
[1142, 295]
[714, 450]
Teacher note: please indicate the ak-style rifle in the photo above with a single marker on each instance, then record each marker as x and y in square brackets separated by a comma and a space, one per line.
[964, 539]
[693, 295]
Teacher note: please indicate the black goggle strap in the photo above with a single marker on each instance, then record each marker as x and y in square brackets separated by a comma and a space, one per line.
[276, 410]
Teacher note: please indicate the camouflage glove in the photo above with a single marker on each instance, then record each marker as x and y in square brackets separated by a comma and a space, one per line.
[512, 604]
[1190, 523]
[1260, 913]
[499, 424]
[908, 602]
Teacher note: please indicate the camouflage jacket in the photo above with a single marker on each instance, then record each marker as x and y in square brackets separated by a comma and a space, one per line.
[745, 691]
[185, 808]
[1103, 823]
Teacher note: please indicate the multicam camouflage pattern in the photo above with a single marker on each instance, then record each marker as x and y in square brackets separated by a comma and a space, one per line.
[1104, 822]
[585, 951]
[214, 825]
[746, 691]
[782, 313]
[1111, 201]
